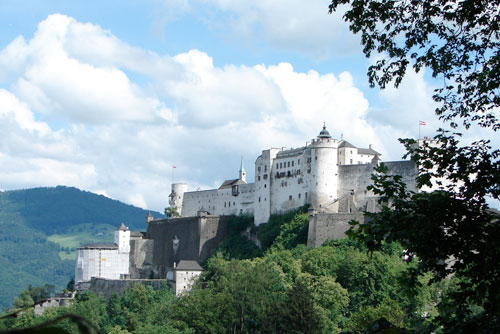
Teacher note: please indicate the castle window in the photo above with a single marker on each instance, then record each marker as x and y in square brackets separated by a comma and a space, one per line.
[258, 178]
[351, 161]
[277, 165]
[281, 165]
[308, 160]
[298, 162]
[316, 158]
[265, 176]
[224, 204]
[234, 204]
[265, 168]
[288, 163]
[306, 194]
[299, 195]
[229, 204]
[265, 185]
[292, 163]
[290, 197]
[259, 199]
[258, 168]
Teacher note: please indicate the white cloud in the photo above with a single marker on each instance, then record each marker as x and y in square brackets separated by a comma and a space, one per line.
[297, 25]
[122, 135]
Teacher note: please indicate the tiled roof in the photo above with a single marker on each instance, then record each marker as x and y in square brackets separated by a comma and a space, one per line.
[230, 183]
[345, 143]
[188, 265]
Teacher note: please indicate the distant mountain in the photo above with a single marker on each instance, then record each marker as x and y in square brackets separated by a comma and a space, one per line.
[40, 227]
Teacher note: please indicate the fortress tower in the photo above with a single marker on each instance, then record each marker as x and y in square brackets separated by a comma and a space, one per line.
[322, 173]
[122, 239]
[324, 169]
[177, 196]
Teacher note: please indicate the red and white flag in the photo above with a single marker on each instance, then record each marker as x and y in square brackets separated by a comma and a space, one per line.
[421, 123]
[174, 167]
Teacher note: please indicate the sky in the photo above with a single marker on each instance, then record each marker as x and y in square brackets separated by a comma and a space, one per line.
[108, 96]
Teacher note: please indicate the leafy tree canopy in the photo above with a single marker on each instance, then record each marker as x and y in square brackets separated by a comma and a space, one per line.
[458, 40]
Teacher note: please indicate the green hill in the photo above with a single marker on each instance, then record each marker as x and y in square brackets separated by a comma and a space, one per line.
[42, 226]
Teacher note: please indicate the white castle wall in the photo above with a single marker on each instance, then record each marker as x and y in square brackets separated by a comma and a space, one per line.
[322, 174]
[220, 201]
[105, 263]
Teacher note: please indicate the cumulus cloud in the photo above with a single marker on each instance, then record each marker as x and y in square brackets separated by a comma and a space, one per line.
[120, 136]
[303, 26]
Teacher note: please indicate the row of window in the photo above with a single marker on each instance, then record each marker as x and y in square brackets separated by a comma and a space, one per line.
[300, 196]
[280, 165]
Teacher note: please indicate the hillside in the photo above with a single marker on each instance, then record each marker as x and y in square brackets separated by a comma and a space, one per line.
[42, 226]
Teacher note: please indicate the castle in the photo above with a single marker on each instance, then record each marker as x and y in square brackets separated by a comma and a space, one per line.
[329, 174]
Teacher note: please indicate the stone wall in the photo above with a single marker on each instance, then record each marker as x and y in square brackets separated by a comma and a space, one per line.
[141, 258]
[185, 238]
[105, 287]
[329, 226]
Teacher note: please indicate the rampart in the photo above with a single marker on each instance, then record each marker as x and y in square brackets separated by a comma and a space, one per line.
[329, 226]
[185, 238]
[105, 287]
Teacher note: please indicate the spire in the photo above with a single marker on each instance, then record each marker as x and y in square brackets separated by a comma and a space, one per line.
[243, 173]
[242, 168]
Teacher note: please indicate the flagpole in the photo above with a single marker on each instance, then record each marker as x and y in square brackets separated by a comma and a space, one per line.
[173, 167]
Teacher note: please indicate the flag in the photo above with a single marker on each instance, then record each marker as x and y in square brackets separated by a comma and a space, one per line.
[421, 123]
[174, 167]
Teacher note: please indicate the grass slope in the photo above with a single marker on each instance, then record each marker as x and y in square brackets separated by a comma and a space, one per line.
[41, 226]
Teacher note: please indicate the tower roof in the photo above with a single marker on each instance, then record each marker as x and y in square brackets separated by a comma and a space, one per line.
[122, 228]
[324, 132]
[242, 168]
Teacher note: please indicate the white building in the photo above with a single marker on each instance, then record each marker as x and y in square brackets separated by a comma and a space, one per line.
[104, 260]
[286, 179]
[186, 274]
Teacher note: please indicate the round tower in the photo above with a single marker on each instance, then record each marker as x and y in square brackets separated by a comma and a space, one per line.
[324, 169]
[176, 196]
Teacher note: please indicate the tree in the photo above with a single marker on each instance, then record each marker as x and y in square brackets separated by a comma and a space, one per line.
[451, 230]
[171, 212]
[459, 41]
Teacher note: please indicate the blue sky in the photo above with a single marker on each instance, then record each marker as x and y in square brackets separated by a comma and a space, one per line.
[108, 95]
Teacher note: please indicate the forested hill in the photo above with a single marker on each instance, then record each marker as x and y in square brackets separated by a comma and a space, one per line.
[54, 210]
[40, 228]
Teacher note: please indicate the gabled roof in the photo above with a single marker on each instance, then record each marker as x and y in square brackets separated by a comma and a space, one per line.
[230, 183]
[188, 265]
[367, 151]
[345, 143]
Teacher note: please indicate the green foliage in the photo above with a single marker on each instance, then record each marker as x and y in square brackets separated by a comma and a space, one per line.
[237, 245]
[450, 231]
[362, 321]
[27, 254]
[268, 233]
[457, 40]
[171, 212]
[294, 232]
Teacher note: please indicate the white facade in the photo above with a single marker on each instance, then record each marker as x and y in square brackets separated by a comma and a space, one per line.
[104, 260]
[186, 274]
[285, 179]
